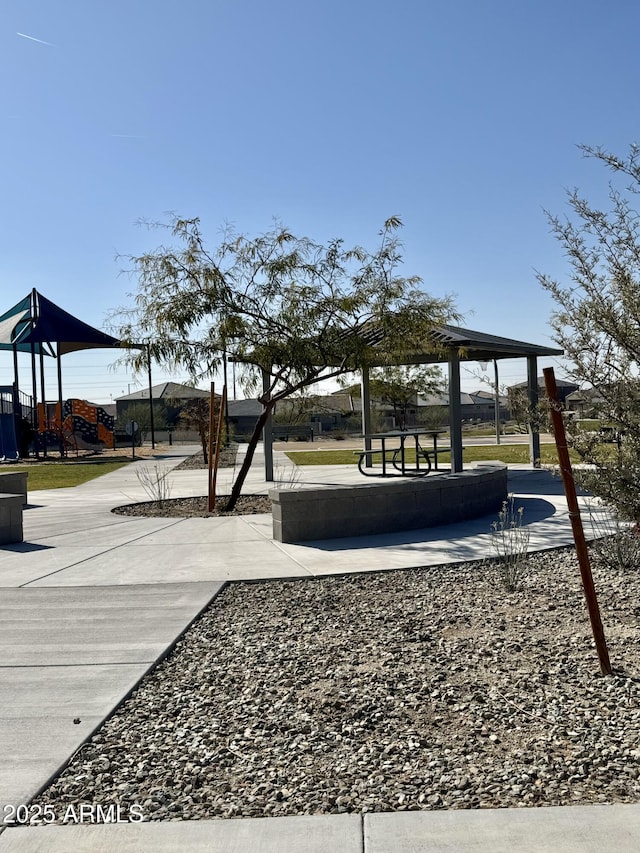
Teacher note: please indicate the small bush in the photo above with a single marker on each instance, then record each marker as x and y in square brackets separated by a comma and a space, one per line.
[510, 541]
[615, 545]
[155, 482]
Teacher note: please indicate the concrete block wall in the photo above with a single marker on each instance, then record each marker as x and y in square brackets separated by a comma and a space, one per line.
[11, 519]
[407, 503]
[14, 483]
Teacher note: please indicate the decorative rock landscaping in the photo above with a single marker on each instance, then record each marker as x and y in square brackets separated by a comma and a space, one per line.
[420, 689]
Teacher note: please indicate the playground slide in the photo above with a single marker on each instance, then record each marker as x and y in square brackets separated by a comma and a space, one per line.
[8, 443]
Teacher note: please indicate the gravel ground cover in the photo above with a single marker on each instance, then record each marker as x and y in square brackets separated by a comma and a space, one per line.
[198, 507]
[226, 459]
[417, 689]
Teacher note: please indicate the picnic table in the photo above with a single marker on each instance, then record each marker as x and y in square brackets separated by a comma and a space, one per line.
[397, 455]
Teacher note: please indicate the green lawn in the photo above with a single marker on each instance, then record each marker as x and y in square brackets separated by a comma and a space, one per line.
[62, 475]
[509, 453]
[485, 432]
[589, 424]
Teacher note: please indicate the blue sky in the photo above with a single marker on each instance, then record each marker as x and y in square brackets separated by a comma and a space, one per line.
[461, 117]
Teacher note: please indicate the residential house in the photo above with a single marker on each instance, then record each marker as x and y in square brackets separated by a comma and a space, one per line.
[485, 403]
[168, 400]
[564, 388]
[243, 415]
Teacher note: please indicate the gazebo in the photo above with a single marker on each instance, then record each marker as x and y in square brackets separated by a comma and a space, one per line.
[454, 345]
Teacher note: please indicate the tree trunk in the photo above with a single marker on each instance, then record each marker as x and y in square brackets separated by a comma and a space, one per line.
[251, 449]
[203, 443]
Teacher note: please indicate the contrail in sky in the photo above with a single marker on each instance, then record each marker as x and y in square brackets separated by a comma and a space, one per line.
[32, 38]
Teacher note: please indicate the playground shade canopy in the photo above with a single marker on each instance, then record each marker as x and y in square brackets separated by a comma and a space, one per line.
[38, 326]
[35, 323]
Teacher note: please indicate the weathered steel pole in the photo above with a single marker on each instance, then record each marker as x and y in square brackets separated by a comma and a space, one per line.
[216, 460]
[496, 400]
[576, 521]
[212, 420]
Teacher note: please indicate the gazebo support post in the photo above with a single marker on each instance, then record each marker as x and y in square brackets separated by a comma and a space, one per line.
[534, 427]
[496, 399]
[34, 381]
[151, 419]
[60, 402]
[225, 372]
[44, 403]
[16, 379]
[267, 432]
[365, 399]
[455, 412]
[34, 403]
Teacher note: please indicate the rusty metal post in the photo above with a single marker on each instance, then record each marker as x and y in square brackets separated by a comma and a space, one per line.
[216, 462]
[212, 407]
[576, 521]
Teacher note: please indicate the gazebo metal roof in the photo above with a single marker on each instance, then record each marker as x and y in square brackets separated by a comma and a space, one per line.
[479, 346]
[469, 345]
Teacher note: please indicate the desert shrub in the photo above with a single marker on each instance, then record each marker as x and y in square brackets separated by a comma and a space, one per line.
[510, 540]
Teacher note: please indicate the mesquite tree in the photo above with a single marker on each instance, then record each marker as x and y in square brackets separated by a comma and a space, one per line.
[289, 311]
[598, 325]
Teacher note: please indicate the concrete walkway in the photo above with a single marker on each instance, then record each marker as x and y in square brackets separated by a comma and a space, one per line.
[91, 600]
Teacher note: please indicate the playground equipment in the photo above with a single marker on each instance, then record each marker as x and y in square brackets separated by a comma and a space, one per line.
[8, 438]
[39, 328]
[81, 426]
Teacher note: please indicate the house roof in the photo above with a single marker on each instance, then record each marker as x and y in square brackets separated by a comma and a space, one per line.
[584, 394]
[166, 391]
[245, 408]
[443, 399]
[560, 383]
[338, 401]
[486, 397]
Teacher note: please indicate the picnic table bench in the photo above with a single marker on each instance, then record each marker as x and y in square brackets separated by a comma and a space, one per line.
[397, 457]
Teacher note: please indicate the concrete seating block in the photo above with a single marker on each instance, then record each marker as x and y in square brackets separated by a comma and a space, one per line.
[407, 503]
[14, 483]
[11, 519]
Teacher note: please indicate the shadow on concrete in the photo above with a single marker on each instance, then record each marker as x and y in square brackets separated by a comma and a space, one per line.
[25, 547]
[453, 536]
[538, 481]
